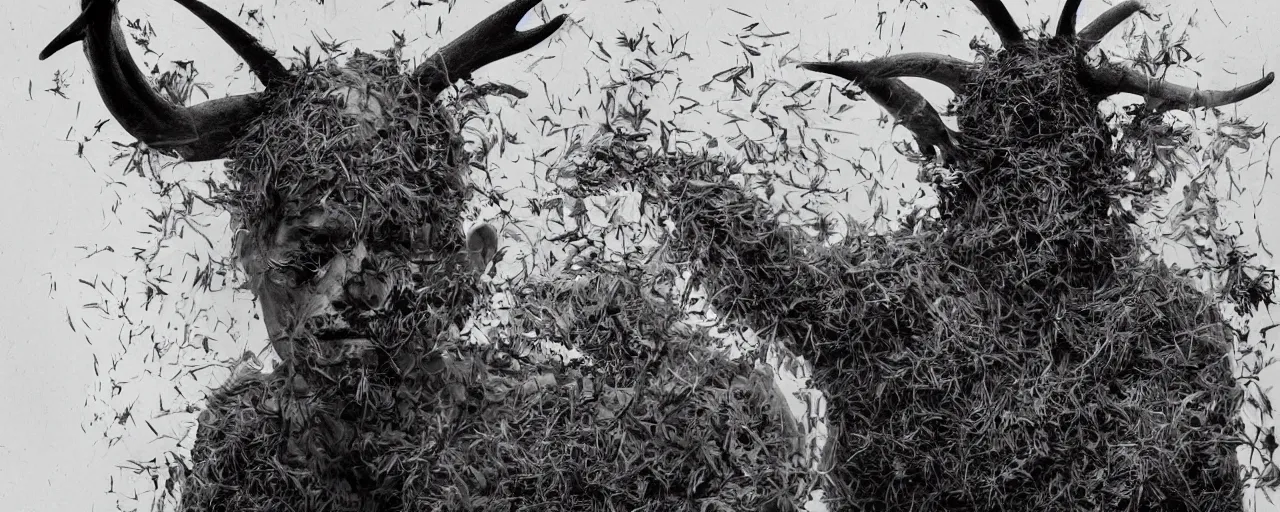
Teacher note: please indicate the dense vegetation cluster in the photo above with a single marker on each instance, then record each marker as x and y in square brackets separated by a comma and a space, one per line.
[391, 410]
[1021, 351]
[1020, 347]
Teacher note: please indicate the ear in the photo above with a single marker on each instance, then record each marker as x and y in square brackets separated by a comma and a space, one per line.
[482, 245]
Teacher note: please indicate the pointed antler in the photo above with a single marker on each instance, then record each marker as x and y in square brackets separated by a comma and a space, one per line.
[1110, 79]
[1067, 21]
[915, 114]
[1001, 21]
[491, 40]
[1108, 21]
[123, 87]
[954, 73]
[201, 132]
[878, 78]
[904, 103]
[261, 60]
[1107, 79]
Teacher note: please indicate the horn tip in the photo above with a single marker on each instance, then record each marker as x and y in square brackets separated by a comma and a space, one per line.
[1264, 82]
[558, 20]
[55, 46]
[846, 70]
[75, 31]
[521, 7]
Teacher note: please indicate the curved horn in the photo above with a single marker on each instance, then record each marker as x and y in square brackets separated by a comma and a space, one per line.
[261, 61]
[220, 122]
[1067, 21]
[954, 73]
[1001, 21]
[1108, 21]
[491, 40]
[198, 133]
[1111, 79]
[914, 113]
[123, 87]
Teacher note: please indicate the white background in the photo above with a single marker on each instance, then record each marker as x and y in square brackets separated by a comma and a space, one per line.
[53, 201]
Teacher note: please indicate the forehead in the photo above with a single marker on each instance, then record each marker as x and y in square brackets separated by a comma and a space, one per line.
[358, 140]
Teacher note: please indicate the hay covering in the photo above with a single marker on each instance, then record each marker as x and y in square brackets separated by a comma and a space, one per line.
[1017, 354]
[390, 410]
